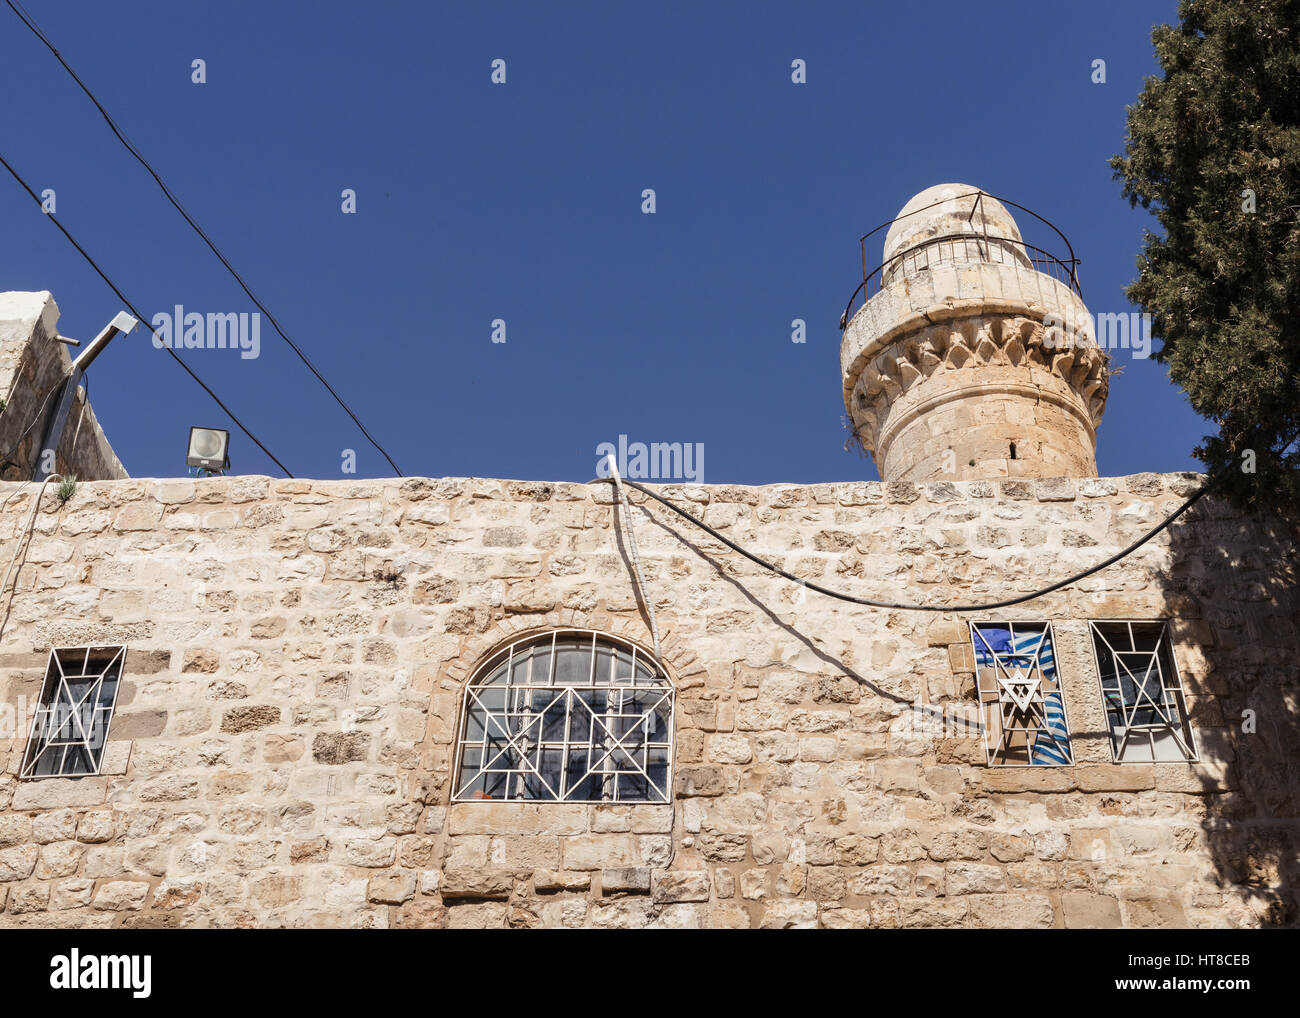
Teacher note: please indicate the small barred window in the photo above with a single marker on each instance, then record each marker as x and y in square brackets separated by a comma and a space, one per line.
[1146, 711]
[1021, 699]
[70, 728]
[573, 716]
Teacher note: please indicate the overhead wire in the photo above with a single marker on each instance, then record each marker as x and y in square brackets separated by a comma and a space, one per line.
[27, 20]
[615, 479]
[131, 307]
[897, 606]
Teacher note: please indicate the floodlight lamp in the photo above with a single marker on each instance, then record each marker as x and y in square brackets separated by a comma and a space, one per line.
[209, 449]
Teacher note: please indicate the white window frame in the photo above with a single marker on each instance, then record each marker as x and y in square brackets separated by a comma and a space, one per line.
[52, 711]
[523, 741]
[1005, 699]
[1184, 735]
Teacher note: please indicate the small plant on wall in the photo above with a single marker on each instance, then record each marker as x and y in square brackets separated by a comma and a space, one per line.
[66, 489]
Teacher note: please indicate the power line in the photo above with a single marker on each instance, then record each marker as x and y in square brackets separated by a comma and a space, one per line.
[838, 595]
[852, 599]
[131, 307]
[27, 20]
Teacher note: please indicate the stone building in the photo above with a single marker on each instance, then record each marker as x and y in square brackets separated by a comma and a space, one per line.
[437, 703]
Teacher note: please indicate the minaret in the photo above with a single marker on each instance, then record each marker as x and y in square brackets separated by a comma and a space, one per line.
[957, 366]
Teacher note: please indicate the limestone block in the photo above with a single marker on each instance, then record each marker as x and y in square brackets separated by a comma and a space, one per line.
[681, 885]
[59, 793]
[391, 888]
[519, 818]
[17, 863]
[121, 895]
[1154, 914]
[476, 883]
[974, 878]
[938, 913]
[59, 859]
[1011, 911]
[373, 854]
[15, 828]
[1114, 777]
[551, 881]
[28, 898]
[729, 749]
[628, 880]
[789, 915]
[1084, 911]
[71, 894]
[478, 916]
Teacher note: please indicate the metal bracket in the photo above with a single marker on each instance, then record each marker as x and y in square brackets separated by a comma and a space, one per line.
[53, 434]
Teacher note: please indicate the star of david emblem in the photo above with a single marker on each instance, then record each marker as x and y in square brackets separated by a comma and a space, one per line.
[1020, 689]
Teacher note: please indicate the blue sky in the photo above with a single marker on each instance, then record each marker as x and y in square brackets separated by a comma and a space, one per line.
[522, 202]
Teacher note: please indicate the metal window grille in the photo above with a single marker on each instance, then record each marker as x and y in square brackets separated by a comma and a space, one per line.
[1021, 699]
[1146, 711]
[70, 726]
[574, 716]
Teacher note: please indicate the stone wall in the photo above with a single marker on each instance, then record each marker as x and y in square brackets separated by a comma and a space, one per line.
[32, 362]
[298, 653]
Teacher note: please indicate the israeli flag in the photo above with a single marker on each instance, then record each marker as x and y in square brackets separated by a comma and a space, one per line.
[995, 645]
[1047, 751]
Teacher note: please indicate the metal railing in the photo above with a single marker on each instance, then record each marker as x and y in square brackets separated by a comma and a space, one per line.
[962, 248]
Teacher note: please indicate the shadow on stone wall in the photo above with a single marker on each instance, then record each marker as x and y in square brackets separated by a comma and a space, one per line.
[1232, 591]
[1232, 587]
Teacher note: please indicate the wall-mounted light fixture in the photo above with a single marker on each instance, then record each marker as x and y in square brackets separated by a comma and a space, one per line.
[53, 435]
[209, 450]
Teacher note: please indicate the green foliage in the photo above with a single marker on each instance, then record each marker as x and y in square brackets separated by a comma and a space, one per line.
[66, 489]
[1222, 283]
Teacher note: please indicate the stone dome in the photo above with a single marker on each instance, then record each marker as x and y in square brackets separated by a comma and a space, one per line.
[952, 215]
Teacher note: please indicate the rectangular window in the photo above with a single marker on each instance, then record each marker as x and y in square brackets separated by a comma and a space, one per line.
[1021, 701]
[70, 727]
[1145, 708]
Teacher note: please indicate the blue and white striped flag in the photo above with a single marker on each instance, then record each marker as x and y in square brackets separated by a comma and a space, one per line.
[996, 645]
[1047, 751]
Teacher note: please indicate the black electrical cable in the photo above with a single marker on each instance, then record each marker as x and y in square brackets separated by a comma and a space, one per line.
[26, 20]
[868, 602]
[120, 296]
[5, 461]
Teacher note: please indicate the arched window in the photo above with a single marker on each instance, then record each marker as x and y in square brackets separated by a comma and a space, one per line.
[573, 716]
